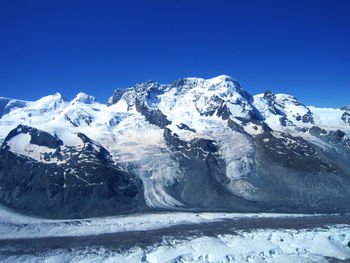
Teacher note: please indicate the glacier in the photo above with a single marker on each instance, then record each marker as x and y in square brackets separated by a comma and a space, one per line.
[197, 170]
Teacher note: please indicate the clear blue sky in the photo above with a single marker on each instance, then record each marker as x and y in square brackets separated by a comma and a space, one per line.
[296, 47]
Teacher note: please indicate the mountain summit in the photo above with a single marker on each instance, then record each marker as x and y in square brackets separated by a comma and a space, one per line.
[199, 144]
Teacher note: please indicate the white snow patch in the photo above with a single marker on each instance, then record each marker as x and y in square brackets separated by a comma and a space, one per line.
[20, 144]
[329, 118]
[253, 129]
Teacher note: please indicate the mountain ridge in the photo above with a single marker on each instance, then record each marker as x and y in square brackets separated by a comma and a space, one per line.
[192, 144]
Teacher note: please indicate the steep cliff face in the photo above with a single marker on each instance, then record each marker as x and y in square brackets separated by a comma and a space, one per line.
[42, 176]
[193, 144]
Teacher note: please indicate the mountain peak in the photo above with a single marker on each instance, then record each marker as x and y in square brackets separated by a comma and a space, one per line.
[50, 102]
[221, 78]
[212, 81]
[84, 98]
[53, 97]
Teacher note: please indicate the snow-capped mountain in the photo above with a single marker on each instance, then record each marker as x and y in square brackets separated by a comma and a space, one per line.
[199, 144]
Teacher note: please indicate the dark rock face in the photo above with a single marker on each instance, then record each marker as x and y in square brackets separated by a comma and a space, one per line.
[346, 108]
[204, 184]
[293, 153]
[155, 117]
[116, 96]
[307, 118]
[296, 175]
[234, 126]
[223, 112]
[339, 141]
[183, 126]
[269, 95]
[317, 131]
[337, 136]
[87, 183]
[346, 117]
[284, 122]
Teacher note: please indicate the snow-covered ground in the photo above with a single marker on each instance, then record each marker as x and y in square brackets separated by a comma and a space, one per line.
[275, 244]
[15, 226]
[262, 245]
[268, 245]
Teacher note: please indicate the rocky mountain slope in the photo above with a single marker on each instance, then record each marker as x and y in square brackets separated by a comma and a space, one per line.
[193, 144]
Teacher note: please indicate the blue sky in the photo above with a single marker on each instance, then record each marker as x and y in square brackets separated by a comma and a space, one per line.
[295, 47]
